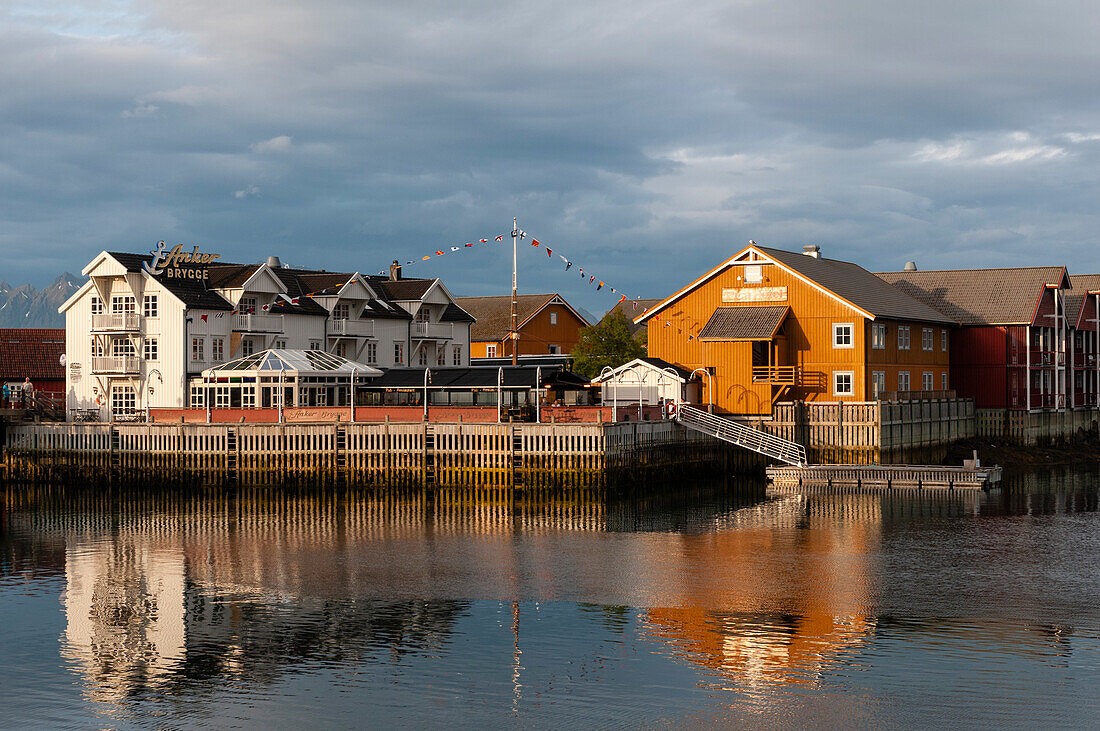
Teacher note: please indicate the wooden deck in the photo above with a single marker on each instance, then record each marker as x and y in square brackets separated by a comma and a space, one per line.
[885, 476]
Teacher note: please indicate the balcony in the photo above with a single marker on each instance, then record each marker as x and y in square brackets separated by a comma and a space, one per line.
[116, 322]
[433, 330]
[1047, 358]
[351, 328]
[258, 323]
[777, 375]
[124, 365]
[1048, 401]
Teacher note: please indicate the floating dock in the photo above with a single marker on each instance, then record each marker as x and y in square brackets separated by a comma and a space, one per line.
[885, 476]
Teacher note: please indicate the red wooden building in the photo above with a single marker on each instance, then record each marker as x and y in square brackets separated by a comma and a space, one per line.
[1009, 350]
[33, 353]
[1082, 308]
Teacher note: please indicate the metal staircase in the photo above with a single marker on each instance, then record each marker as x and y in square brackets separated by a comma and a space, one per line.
[792, 453]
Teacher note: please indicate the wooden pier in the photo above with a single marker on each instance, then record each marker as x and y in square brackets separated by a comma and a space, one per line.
[885, 476]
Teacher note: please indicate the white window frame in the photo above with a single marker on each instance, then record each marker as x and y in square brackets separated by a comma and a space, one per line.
[423, 357]
[123, 399]
[123, 348]
[943, 340]
[198, 350]
[838, 327]
[927, 339]
[342, 311]
[150, 306]
[280, 344]
[878, 335]
[554, 349]
[314, 345]
[927, 381]
[943, 381]
[904, 337]
[878, 384]
[904, 386]
[754, 273]
[98, 350]
[247, 305]
[372, 353]
[149, 349]
[441, 355]
[491, 350]
[851, 376]
[97, 305]
[456, 355]
[121, 303]
[248, 346]
[398, 352]
[217, 349]
[553, 318]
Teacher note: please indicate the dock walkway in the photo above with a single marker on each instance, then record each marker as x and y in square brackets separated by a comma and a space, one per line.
[885, 476]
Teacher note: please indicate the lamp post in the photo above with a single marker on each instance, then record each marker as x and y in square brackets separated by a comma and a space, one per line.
[206, 395]
[282, 392]
[675, 377]
[500, 388]
[538, 394]
[354, 372]
[710, 388]
[611, 372]
[427, 380]
[149, 389]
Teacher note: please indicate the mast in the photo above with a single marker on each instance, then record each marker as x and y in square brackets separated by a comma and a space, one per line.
[515, 329]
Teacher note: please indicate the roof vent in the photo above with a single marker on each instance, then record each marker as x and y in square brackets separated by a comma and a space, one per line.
[274, 263]
[812, 250]
[910, 266]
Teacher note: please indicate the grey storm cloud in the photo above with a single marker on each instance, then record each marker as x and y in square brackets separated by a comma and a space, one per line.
[644, 140]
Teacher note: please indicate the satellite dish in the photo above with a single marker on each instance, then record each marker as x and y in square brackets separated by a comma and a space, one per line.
[61, 360]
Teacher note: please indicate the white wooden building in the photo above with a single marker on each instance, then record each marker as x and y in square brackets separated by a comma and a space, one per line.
[651, 380]
[143, 325]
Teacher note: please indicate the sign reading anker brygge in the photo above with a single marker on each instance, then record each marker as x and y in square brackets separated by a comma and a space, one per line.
[170, 263]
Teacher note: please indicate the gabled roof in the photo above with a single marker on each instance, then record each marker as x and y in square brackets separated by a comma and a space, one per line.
[494, 313]
[744, 323]
[192, 292]
[403, 289]
[293, 362]
[33, 353]
[1081, 285]
[657, 364]
[454, 313]
[848, 283]
[1006, 296]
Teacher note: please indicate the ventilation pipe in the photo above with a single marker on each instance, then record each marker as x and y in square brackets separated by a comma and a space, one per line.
[274, 263]
[910, 266]
[812, 250]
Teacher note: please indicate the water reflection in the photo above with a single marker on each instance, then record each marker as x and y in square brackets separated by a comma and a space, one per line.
[181, 597]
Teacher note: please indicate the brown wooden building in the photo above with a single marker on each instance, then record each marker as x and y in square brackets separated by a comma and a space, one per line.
[770, 324]
[547, 325]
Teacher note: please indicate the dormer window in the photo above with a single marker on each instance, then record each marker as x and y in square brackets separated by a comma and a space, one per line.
[422, 315]
[342, 311]
[247, 305]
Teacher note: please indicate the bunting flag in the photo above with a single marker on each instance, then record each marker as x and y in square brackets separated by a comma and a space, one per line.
[455, 248]
[500, 238]
[439, 253]
[549, 253]
[599, 286]
[484, 241]
[425, 258]
[203, 318]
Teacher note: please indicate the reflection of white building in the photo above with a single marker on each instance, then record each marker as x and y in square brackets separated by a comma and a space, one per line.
[651, 379]
[124, 611]
[142, 326]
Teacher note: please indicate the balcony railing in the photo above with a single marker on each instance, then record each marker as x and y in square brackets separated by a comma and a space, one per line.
[432, 330]
[917, 395]
[351, 328]
[116, 322]
[1048, 401]
[258, 323]
[120, 364]
[777, 375]
[1047, 358]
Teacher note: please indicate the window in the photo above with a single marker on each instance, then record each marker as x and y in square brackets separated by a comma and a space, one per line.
[123, 399]
[280, 344]
[149, 305]
[398, 353]
[342, 349]
[903, 381]
[927, 382]
[878, 384]
[491, 351]
[97, 305]
[247, 305]
[247, 346]
[843, 383]
[423, 356]
[554, 349]
[553, 318]
[456, 355]
[754, 274]
[342, 311]
[197, 349]
[878, 336]
[422, 315]
[372, 353]
[197, 393]
[926, 342]
[122, 303]
[221, 397]
[943, 340]
[903, 338]
[150, 350]
[97, 347]
[217, 349]
[123, 348]
[842, 335]
[313, 344]
[943, 381]
[441, 355]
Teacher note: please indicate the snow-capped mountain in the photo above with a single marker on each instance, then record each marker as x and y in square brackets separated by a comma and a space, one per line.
[25, 306]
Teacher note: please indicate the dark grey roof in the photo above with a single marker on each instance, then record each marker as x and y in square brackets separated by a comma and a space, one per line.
[475, 377]
[1080, 286]
[979, 296]
[454, 313]
[744, 323]
[192, 292]
[403, 289]
[377, 310]
[855, 284]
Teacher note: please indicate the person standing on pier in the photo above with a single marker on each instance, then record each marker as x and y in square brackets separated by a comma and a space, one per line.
[5, 396]
[28, 393]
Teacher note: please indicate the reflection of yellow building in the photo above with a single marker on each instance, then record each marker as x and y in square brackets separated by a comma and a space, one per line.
[124, 607]
[755, 611]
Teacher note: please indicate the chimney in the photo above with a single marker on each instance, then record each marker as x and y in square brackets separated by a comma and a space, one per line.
[274, 263]
[812, 250]
[910, 266]
[395, 271]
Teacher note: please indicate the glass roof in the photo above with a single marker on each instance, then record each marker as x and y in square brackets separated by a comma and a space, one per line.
[294, 362]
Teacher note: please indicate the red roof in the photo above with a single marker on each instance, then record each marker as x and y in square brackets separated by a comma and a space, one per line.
[33, 353]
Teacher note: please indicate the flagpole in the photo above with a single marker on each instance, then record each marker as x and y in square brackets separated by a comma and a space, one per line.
[515, 330]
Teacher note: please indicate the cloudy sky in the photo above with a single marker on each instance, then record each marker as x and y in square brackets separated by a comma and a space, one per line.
[644, 140]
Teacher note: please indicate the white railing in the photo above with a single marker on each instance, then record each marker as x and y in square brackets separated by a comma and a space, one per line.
[116, 321]
[769, 445]
[353, 328]
[126, 364]
[432, 330]
[258, 323]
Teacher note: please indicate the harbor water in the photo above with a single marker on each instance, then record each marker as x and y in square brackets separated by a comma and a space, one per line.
[701, 604]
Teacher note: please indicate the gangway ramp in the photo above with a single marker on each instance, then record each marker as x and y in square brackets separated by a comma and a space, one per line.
[733, 432]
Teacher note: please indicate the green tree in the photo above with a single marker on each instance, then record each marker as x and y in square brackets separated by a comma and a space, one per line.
[608, 343]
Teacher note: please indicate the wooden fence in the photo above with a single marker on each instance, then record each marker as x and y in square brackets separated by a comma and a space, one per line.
[1037, 428]
[397, 454]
